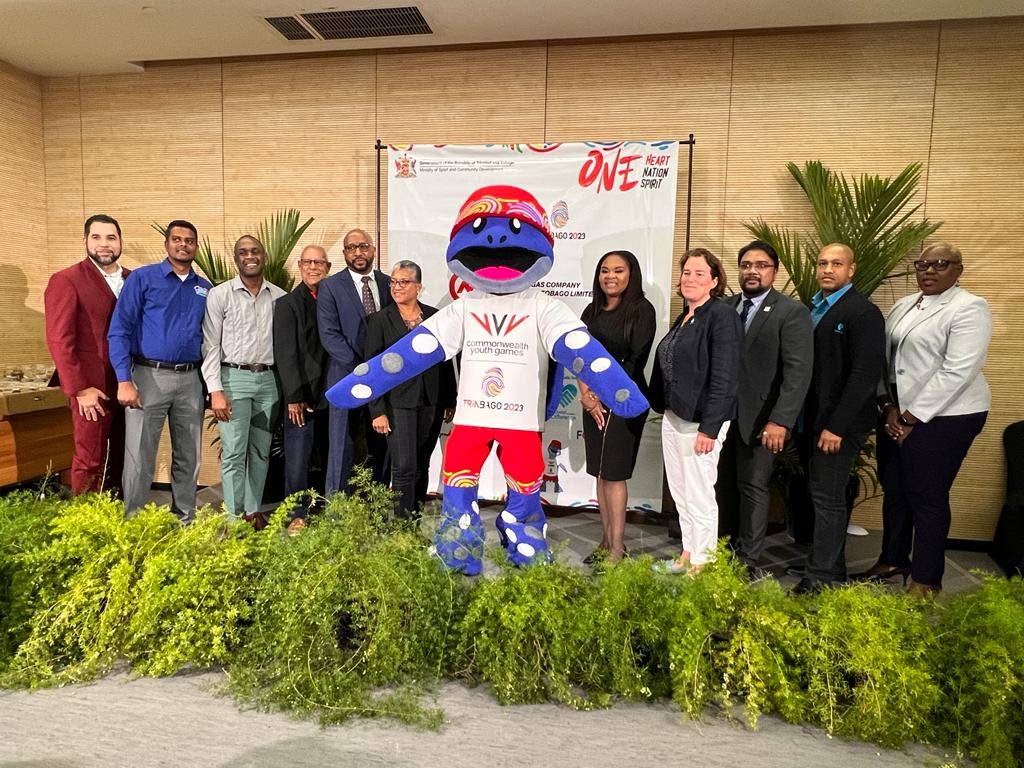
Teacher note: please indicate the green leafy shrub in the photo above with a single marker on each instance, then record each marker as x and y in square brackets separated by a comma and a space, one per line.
[703, 613]
[349, 618]
[869, 676]
[530, 633]
[355, 617]
[193, 597]
[86, 576]
[24, 525]
[631, 618]
[765, 659]
[978, 657]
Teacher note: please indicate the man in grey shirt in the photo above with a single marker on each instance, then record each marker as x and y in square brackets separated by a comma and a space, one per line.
[238, 367]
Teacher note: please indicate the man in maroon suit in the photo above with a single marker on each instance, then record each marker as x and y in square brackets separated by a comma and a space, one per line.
[79, 301]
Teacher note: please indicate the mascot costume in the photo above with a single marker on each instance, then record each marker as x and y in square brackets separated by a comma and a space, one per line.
[506, 330]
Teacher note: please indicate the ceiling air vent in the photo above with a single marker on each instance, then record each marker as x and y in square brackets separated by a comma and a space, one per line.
[290, 27]
[372, 22]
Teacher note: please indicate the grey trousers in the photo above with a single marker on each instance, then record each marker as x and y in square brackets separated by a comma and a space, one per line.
[178, 398]
[754, 466]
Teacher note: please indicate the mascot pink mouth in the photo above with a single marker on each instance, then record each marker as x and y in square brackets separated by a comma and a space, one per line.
[498, 273]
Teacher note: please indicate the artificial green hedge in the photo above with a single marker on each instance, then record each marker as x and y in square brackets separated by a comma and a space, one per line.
[355, 617]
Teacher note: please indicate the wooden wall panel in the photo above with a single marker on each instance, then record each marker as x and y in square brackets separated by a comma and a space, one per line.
[650, 90]
[62, 135]
[300, 134]
[22, 218]
[858, 99]
[152, 152]
[612, 91]
[976, 185]
[469, 96]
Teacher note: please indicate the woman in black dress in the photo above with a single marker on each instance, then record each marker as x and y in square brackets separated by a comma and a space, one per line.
[409, 415]
[624, 321]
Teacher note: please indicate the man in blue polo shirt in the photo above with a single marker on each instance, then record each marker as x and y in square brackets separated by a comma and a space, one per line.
[155, 344]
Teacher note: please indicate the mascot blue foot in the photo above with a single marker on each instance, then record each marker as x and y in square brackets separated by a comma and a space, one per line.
[460, 537]
[523, 529]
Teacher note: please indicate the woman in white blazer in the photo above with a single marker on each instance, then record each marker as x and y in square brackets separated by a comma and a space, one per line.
[934, 402]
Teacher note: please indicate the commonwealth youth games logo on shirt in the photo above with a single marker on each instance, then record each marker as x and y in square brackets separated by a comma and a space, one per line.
[493, 383]
[496, 326]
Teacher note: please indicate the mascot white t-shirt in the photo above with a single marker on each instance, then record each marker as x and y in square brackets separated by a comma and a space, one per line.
[504, 340]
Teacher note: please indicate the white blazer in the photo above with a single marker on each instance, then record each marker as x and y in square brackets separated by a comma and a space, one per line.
[939, 360]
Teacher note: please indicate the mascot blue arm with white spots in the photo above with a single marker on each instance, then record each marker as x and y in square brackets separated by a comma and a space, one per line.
[505, 329]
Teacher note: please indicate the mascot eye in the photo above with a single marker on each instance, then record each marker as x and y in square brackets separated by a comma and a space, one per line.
[515, 225]
[478, 224]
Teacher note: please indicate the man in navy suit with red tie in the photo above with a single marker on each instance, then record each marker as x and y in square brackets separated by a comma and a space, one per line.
[343, 302]
[79, 301]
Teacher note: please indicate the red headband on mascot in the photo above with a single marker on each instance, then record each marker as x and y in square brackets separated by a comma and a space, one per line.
[507, 202]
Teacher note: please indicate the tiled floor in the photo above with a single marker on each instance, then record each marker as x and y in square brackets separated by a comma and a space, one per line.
[575, 535]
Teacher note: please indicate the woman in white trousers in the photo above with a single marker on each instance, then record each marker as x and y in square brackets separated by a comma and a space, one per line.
[696, 373]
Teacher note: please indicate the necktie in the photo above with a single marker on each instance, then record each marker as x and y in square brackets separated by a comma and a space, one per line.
[369, 305]
[747, 304]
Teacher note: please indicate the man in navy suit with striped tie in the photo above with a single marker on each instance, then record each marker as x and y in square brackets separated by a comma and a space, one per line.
[343, 302]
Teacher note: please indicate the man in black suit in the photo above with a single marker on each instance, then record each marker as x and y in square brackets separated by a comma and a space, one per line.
[344, 300]
[775, 372]
[302, 368]
[849, 356]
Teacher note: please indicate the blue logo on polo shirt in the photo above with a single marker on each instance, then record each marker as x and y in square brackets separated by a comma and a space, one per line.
[200, 291]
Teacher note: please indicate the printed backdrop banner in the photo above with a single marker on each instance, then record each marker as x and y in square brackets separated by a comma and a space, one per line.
[599, 197]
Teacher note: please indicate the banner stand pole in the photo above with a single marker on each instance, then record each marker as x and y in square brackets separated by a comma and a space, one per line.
[379, 146]
[689, 187]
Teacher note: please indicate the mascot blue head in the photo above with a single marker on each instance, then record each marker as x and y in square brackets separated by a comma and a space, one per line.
[501, 242]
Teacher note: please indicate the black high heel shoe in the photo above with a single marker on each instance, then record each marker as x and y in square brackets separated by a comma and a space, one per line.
[881, 572]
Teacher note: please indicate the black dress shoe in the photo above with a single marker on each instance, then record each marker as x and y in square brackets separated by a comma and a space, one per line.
[882, 572]
[754, 573]
[797, 569]
[807, 586]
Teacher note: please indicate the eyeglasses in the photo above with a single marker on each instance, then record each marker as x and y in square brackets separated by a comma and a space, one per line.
[312, 263]
[939, 265]
[353, 247]
[760, 266]
[403, 283]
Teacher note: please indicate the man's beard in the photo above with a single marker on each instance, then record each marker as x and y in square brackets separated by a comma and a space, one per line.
[103, 261]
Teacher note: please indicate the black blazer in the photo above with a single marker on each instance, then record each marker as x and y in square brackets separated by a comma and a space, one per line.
[706, 368]
[775, 370]
[435, 386]
[300, 358]
[849, 357]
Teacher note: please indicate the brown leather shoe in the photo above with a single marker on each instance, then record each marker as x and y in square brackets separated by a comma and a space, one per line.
[258, 521]
[922, 591]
